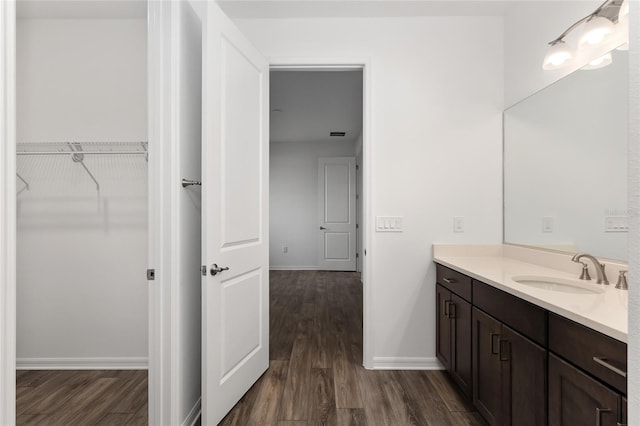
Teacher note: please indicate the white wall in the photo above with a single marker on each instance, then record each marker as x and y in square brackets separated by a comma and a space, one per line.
[435, 139]
[633, 354]
[293, 191]
[82, 254]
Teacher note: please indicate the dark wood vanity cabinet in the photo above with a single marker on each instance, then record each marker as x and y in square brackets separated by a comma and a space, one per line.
[577, 399]
[587, 375]
[524, 365]
[509, 374]
[453, 327]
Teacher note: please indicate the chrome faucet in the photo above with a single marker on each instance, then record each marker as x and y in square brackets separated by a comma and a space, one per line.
[602, 277]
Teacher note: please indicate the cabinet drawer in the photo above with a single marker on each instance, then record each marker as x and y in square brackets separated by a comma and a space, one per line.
[577, 399]
[522, 316]
[600, 355]
[458, 283]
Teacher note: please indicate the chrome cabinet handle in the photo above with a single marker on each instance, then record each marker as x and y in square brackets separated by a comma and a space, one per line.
[491, 343]
[215, 269]
[599, 412]
[449, 280]
[603, 362]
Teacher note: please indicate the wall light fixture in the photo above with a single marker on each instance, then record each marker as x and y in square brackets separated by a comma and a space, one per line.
[609, 22]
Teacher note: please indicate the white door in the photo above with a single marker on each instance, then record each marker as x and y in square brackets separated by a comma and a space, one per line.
[337, 213]
[235, 316]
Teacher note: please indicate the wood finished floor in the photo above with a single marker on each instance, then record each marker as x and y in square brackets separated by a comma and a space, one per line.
[83, 397]
[316, 375]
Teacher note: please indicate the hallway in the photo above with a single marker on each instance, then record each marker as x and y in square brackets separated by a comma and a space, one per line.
[316, 375]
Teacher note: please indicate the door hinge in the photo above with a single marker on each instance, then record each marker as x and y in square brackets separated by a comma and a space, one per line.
[357, 167]
[151, 274]
[357, 196]
[203, 270]
[357, 225]
[357, 255]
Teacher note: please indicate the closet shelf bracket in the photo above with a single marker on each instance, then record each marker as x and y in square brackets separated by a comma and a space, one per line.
[78, 157]
[26, 184]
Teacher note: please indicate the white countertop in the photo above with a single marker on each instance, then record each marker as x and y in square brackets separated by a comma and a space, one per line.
[605, 312]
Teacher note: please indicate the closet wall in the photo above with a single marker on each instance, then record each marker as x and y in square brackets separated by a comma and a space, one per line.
[82, 252]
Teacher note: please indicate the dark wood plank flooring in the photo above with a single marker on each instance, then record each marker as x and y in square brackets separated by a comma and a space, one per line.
[82, 397]
[316, 375]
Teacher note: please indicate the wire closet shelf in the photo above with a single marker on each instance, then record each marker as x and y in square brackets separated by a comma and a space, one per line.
[78, 150]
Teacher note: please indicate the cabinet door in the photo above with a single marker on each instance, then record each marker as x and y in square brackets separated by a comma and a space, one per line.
[460, 314]
[623, 414]
[577, 399]
[443, 326]
[487, 396]
[524, 379]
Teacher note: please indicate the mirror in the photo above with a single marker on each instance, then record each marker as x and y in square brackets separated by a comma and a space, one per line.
[565, 164]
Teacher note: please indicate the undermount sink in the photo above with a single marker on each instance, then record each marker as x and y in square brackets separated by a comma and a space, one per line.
[558, 284]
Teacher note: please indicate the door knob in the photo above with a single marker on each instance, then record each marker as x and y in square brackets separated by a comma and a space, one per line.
[322, 228]
[215, 269]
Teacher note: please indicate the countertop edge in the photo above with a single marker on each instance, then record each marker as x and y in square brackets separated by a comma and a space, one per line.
[580, 319]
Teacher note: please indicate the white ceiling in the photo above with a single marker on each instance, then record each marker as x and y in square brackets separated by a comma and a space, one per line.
[81, 9]
[107, 9]
[241, 9]
[312, 104]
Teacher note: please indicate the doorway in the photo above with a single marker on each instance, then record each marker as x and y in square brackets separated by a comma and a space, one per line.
[301, 140]
[315, 143]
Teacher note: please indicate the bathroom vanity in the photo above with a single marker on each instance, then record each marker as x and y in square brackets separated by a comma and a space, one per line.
[528, 342]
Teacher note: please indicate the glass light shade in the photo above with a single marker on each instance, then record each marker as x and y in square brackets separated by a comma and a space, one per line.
[596, 30]
[623, 13]
[623, 46]
[558, 54]
[600, 62]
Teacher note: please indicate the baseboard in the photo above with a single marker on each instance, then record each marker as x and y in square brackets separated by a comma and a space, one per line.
[406, 363]
[194, 414]
[116, 363]
[294, 268]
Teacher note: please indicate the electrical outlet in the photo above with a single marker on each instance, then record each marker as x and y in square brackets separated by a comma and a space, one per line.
[458, 224]
[547, 224]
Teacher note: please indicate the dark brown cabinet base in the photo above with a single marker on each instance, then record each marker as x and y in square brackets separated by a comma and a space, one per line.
[523, 365]
[453, 337]
[509, 374]
[577, 399]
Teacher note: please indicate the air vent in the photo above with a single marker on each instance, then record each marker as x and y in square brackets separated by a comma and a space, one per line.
[341, 134]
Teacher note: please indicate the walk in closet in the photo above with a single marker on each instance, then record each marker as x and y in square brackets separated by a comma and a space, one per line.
[82, 160]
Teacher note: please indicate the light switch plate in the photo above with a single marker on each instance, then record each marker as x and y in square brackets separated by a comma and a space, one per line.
[616, 224]
[389, 223]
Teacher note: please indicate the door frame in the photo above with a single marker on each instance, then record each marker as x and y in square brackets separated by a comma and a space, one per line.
[8, 204]
[162, 308]
[368, 252]
[159, 298]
